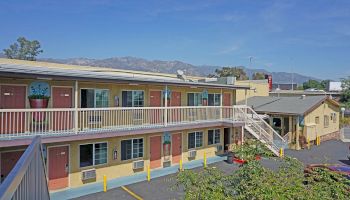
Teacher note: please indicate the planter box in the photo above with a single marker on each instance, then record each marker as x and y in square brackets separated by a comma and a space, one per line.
[39, 103]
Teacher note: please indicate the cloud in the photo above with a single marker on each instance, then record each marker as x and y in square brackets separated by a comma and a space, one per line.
[229, 50]
[273, 15]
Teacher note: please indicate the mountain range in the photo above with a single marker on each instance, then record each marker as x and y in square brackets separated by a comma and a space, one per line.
[140, 64]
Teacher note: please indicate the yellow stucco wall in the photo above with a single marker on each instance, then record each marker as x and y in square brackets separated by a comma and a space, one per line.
[116, 89]
[319, 129]
[258, 88]
[117, 168]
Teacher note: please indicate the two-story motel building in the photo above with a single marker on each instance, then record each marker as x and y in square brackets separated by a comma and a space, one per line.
[102, 121]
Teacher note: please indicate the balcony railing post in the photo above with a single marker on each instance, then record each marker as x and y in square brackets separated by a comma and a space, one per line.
[166, 106]
[76, 128]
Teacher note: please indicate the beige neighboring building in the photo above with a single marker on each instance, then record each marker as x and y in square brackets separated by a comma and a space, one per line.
[257, 88]
[299, 119]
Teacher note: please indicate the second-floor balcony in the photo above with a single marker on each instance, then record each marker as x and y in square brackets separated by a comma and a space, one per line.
[19, 123]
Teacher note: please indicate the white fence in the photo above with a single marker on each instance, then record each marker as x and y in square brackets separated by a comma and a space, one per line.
[31, 122]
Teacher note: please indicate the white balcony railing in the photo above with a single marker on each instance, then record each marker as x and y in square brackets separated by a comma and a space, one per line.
[30, 122]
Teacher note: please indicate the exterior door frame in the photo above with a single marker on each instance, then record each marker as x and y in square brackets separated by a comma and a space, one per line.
[172, 98]
[161, 150]
[48, 157]
[59, 86]
[26, 102]
[6, 151]
[161, 97]
[181, 144]
[229, 137]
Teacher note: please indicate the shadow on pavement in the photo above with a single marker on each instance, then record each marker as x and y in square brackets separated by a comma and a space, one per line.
[347, 162]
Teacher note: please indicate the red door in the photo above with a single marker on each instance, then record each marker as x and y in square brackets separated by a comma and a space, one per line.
[227, 102]
[227, 99]
[58, 167]
[155, 101]
[155, 152]
[176, 147]
[62, 98]
[175, 101]
[12, 97]
[8, 161]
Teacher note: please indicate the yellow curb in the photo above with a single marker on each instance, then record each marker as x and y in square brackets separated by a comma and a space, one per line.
[131, 193]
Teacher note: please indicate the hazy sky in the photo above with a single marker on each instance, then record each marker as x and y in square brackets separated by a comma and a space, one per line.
[311, 37]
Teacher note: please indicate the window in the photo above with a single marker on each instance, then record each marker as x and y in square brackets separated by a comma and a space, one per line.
[93, 154]
[194, 99]
[277, 122]
[286, 125]
[94, 98]
[214, 99]
[213, 136]
[326, 121]
[334, 117]
[134, 98]
[317, 120]
[131, 149]
[195, 139]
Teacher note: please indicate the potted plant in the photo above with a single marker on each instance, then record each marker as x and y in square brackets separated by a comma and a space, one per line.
[38, 99]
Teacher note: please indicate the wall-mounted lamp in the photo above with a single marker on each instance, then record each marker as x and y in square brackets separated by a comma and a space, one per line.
[115, 153]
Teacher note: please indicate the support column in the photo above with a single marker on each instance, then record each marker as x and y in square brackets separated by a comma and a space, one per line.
[166, 106]
[242, 135]
[221, 108]
[297, 134]
[76, 92]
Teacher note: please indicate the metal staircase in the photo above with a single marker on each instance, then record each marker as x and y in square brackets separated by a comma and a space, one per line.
[260, 129]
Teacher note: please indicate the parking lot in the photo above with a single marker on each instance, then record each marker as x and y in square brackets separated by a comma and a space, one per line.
[331, 152]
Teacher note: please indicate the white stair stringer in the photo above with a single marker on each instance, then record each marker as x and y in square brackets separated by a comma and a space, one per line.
[263, 140]
[260, 129]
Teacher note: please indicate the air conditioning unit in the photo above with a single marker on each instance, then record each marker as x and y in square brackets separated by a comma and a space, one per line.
[138, 164]
[167, 163]
[88, 174]
[192, 154]
[219, 148]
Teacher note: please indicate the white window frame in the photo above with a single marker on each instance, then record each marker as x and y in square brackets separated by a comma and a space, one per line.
[196, 93]
[196, 133]
[132, 148]
[214, 136]
[94, 89]
[324, 121]
[132, 97]
[93, 154]
[317, 120]
[334, 117]
[215, 94]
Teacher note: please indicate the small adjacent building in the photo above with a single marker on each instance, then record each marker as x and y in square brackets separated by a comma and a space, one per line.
[299, 119]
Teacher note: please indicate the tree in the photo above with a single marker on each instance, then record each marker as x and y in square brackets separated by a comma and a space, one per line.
[345, 95]
[258, 76]
[23, 49]
[254, 181]
[237, 72]
[313, 84]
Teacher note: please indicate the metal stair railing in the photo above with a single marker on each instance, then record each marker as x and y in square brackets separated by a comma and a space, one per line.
[263, 131]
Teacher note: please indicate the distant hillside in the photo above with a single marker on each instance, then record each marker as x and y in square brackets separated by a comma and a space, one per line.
[140, 64]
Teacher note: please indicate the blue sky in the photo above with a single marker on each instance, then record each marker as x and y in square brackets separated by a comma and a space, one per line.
[308, 37]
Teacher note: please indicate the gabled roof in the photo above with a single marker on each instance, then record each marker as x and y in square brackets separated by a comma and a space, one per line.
[12, 67]
[287, 105]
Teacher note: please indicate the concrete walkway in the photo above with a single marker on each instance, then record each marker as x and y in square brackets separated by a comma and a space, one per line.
[127, 180]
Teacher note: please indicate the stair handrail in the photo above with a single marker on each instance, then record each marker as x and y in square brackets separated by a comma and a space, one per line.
[268, 125]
